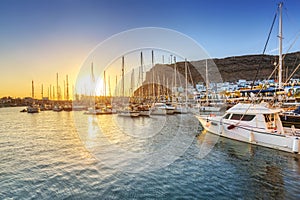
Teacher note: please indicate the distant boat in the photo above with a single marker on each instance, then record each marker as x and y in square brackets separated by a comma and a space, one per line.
[33, 108]
[144, 110]
[128, 112]
[217, 106]
[291, 118]
[158, 109]
[180, 108]
[100, 111]
[170, 109]
[24, 110]
[67, 107]
[162, 109]
[57, 108]
[254, 124]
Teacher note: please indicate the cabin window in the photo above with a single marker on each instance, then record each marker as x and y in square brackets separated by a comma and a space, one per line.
[227, 116]
[236, 116]
[269, 118]
[242, 117]
[248, 117]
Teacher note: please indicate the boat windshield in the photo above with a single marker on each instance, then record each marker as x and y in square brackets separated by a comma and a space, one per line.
[227, 116]
[242, 117]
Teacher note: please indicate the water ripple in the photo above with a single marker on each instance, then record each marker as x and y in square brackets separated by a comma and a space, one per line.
[43, 157]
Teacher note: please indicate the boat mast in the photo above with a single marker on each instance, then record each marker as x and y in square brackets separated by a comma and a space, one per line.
[109, 89]
[153, 85]
[92, 92]
[175, 79]
[207, 82]
[123, 77]
[42, 92]
[64, 97]
[57, 95]
[104, 84]
[280, 46]
[32, 89]
[132, 86]
[117, 91]
[186, 82]
[142, 76]
[67, 87]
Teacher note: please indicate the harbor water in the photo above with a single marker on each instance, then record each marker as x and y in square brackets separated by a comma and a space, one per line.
[69, 155]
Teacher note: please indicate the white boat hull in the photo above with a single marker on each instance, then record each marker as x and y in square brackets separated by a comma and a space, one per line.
[170, 111]
[181, 110]
[210, 109]
[145, 112]
[128, 113]
[242, 133]
[159, 111]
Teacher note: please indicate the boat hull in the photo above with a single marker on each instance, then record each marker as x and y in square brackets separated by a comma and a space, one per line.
[33, 109]
[181, 110]
[159, 111]
[128, 113]
[242, 133]
[146, 113]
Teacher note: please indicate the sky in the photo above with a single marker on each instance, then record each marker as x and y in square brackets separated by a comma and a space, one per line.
[39, 38]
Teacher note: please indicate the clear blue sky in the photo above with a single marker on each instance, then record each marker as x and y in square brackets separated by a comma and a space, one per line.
[41, 37]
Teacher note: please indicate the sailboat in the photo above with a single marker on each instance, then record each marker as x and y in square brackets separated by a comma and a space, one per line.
[209, 107]
[144, 109]
[181, 108]
[126, 110]
[33, 108]
[255, 124]
[94, 110]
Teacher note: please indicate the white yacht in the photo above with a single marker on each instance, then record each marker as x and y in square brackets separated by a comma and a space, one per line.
[128, 112]
[162, 109]
[158, 109]
[144, 110]
[253, 123]
[100, 111]
[181, 108]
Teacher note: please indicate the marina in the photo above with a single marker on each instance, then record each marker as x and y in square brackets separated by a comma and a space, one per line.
[47, 159]
[91, 110]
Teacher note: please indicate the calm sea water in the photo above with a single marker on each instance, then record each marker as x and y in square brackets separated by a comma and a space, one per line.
[69, 155]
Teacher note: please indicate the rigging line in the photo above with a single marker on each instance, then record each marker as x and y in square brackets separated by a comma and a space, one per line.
[292, 73]
[291, 20]
[265, 47]
[293, 42]
[191, 78]
[283, 57]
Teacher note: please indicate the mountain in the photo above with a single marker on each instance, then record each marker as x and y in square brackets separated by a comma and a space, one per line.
[226, 69]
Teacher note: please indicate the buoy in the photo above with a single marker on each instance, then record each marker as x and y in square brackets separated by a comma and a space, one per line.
[296, 145]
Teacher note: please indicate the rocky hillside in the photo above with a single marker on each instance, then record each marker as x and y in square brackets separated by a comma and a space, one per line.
[226, 69]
